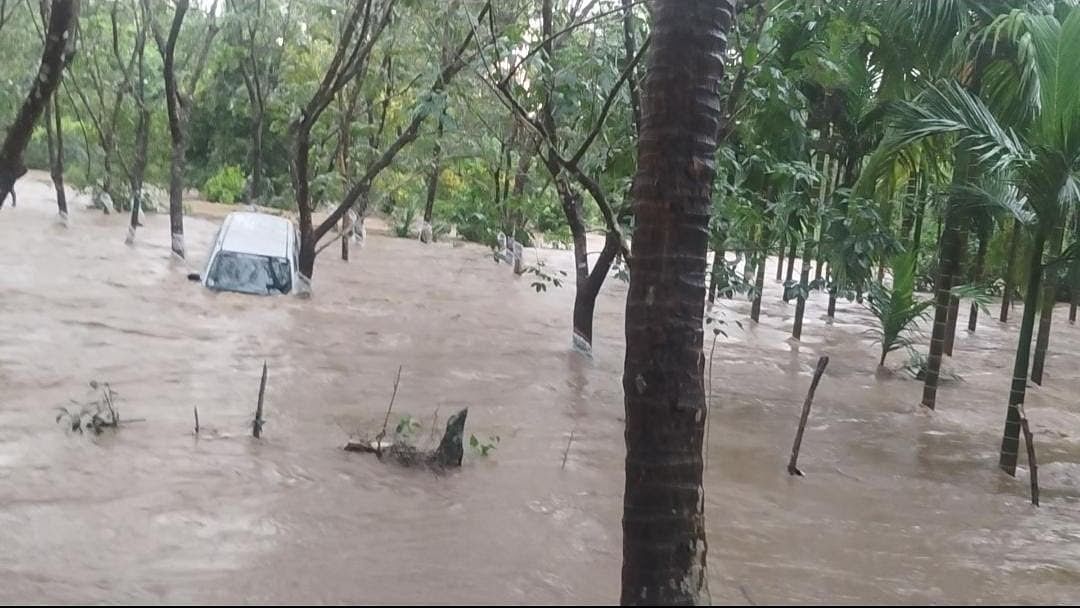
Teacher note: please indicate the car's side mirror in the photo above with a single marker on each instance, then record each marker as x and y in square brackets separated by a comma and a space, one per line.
[194, 276]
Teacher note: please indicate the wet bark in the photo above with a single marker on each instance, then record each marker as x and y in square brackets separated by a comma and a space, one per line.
[790, 273]
[54, 134]
[949, 256]
[759, 276]
[1046, 315]
[804, 286]
[142, 127]
[1010, 272]
[954, 301]
[780, 259]
[977, 276]
[585, 296]
[59, 34]
[426, 235]
[1010, 440]
[664, 545]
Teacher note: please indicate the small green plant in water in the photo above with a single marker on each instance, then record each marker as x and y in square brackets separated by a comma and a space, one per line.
[483, 447]
[406, 428]
[897, 311]
[544, 277]
[404, 218]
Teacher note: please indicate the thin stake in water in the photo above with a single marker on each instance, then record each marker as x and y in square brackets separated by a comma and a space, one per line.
[256, 429]
[791, 468]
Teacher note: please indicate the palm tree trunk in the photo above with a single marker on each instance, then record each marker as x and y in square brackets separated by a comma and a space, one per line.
[1010, 440]
[954, 301]
[664, 544]
[1046, 316]
[980, 264]
[759, 277]
[780, 259]
[804, 285]
[790, 273]
[949, 266]
[1010, 272]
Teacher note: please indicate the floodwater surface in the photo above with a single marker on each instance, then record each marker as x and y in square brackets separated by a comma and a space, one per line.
[899, 505]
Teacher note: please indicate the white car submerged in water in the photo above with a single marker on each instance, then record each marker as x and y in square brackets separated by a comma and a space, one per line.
[253, 253]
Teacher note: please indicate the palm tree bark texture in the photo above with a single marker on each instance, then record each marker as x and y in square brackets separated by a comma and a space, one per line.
[664, 545]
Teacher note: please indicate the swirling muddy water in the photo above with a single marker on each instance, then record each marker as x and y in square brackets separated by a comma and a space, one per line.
[899, 505]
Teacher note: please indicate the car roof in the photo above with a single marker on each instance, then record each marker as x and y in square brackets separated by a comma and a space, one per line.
[256, 234]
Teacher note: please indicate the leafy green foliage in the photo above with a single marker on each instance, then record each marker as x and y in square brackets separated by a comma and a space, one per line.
[895, 308]
[483, 447]
[226, 186]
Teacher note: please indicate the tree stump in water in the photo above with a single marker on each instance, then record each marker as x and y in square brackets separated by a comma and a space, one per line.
[448, 454]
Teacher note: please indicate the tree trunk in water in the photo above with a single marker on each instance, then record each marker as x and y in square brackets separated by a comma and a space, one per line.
[1072, 305]
[255, 191]
[664, 545]
[138, 170]
[54, 133]
[59, 44]
[1010, 440]
[780, 259]
[1046, 316]
[948, 267]
[426, 235]
[916, 235]
[759, 277]
[1010, 271]
[832, 303]
[804, 285]
[980, 264]
[176, 132]
[585, 296]
[790, 273]
[718, 274]
[954, 302]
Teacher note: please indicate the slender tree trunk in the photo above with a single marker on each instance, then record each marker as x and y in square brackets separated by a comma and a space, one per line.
[1046, 316]
[949, 257]
[255, 190]
[718, 275]
[790, 273]
[138, 170]
[759, 276]
[664, 545]
[54, 132]
[585, 296]
[804, 285]
[916, 235]
[426, 235]
[177, 131]
[142, 126]
[977, 275]
[1010, 440]
[780, 258]
[1010, 272]
[954, 301]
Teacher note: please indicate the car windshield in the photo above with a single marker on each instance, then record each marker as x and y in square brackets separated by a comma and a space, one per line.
[247, 273]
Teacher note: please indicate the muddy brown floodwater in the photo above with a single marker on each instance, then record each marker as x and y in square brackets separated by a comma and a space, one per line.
[899, 505]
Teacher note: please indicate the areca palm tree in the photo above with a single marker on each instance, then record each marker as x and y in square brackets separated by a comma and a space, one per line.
[1045, 159]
